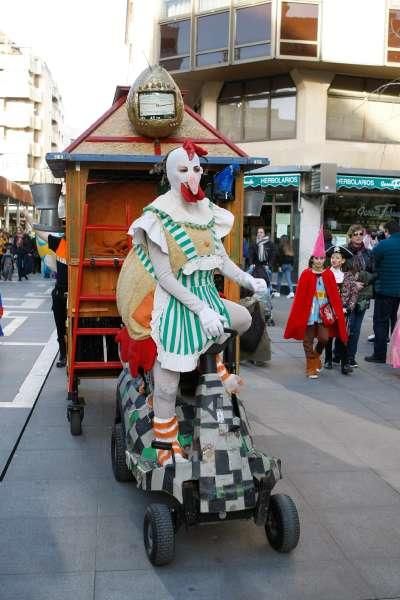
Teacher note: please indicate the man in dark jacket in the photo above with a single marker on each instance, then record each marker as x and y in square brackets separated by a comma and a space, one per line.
[262, 252]
[387, 289]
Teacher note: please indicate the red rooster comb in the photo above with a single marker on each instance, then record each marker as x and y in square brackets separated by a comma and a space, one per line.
[192, 149]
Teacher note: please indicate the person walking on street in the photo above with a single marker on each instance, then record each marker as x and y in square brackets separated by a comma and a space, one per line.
[317, 310]
[19, 253]
[387, 289]
[284, 261]
[58, 245]
[7, 264]
[347, 286]
[262, 252]
[362, 266]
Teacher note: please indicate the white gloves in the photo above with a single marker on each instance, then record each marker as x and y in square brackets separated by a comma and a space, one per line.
[255, 284]
[258, 285]
[211, 322]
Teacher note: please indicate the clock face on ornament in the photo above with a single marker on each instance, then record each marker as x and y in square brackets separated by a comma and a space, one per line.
[157, 105]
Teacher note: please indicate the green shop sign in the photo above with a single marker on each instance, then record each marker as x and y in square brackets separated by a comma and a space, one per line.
[369, 183]
[282, 180]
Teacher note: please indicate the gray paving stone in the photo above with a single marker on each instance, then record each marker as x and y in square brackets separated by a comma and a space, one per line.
[348, 488]
[244, 581]
[57, 586]
[301, 456]
[358, 435]
[364, 532]
[383, 576]
[168, 583]
[40, 437]
[120, 543]
[56, 416]
[392, 477]
[40, 545]
[29, 465]
[117, 499]
[44, 498]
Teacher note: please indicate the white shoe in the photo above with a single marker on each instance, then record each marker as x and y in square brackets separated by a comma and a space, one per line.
[291, 295]
[277, 295]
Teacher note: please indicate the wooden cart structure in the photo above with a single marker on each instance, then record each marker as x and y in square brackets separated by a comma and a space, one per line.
[110, 178]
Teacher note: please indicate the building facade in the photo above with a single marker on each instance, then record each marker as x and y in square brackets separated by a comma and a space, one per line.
[31, 114]
[302, 82]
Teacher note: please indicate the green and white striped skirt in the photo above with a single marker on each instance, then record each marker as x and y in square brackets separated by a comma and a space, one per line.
[181, 339]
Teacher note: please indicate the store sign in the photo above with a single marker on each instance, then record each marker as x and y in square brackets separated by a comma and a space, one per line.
[369, 183]
[381, 212]
[283, 180]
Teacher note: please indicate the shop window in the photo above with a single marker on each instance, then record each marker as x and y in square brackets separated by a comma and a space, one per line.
[299, 29]
[393, 35]
[212, 4]
[258, 109]
[252, 32]
[175, 45]
[365, 110]
[176, 8]
[222, 31]
[212, 39]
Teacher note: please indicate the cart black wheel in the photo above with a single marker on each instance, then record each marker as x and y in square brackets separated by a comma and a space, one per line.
[158, 534]
[282, 526]
[118, 458]
[75, 422]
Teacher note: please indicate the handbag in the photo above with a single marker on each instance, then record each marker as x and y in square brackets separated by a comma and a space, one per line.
[327, 315]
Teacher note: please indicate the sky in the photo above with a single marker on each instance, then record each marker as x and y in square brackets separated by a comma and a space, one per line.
[82, 42]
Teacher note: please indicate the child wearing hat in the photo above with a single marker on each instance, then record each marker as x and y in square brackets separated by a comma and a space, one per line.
[348, 290]
[317, 310]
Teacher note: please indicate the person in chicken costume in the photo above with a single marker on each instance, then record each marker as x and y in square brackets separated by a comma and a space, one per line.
[178, 243]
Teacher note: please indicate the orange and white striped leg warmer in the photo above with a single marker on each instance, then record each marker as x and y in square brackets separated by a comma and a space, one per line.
[231, 382]
[166, 430]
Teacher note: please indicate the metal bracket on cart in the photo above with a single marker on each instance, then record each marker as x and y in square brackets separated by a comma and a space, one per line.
[265, 485]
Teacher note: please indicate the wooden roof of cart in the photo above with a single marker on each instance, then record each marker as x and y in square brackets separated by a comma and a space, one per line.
[113, 139]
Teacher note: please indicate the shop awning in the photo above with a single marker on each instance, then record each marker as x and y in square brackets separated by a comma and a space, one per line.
[272, 180]
[363, 182]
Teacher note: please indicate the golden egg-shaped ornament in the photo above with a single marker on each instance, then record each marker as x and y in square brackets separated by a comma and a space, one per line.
[155, 104]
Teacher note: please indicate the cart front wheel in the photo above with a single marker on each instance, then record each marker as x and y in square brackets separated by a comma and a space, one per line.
[75, 422]
[282, 526]
[118, 458]
[158, 534]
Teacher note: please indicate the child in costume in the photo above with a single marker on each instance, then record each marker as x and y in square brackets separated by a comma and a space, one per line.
[393, 355]
[178, 242]
[315, 289]
[348, 290]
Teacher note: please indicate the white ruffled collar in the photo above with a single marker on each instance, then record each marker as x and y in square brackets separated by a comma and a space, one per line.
[201, 213]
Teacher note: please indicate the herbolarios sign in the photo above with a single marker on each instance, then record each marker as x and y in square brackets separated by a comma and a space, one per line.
[370, 183]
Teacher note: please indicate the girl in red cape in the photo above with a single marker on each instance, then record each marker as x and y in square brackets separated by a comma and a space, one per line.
[316, 287]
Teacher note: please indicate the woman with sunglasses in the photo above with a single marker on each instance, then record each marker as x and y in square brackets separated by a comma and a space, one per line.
[362, 265]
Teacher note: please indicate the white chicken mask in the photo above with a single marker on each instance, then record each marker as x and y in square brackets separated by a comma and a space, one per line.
[184, 171]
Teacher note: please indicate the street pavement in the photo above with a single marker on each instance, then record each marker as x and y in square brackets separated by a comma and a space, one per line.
[69, 531]
[26, 354]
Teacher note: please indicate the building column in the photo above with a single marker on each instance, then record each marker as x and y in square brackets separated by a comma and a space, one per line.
[310, 223]
[209, 96]
[18, 215]
[7, 214]
[312, 101]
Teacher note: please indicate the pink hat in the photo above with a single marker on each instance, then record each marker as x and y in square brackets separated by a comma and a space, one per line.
[319, 246]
